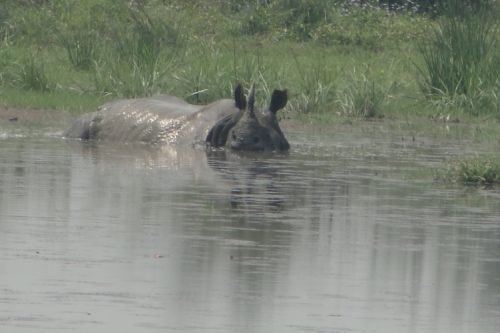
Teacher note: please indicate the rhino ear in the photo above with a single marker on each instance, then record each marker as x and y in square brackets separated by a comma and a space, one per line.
[239, 98]
[278, 100]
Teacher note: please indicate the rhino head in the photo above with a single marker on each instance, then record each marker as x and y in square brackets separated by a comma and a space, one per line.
[251, 129]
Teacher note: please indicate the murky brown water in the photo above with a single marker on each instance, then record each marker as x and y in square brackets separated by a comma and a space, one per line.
[339, 236]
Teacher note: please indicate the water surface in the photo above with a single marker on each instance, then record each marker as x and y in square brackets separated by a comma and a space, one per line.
[347, 233]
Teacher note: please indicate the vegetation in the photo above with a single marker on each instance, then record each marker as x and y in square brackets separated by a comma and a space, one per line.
[362, 97]
[482, 171]
[364, 59]
[461, 61]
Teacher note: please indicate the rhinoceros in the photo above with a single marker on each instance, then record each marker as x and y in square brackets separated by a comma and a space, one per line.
[230, 123]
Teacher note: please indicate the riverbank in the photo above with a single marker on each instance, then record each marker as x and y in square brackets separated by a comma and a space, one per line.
[472, 130]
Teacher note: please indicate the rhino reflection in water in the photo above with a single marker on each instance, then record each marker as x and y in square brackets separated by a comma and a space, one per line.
[235, 124]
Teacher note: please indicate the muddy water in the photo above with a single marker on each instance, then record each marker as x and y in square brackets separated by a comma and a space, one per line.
[344, 234]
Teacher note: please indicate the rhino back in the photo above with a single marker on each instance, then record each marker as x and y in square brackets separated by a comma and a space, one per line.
[199, 124]
[154, 120]
[150, 120]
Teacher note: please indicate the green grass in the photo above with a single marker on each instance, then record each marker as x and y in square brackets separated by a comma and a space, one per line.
[478, 171]
[333, 59]
[32, 75]
[57, 99]
[81, 48]
[362, 97]
[461, 63]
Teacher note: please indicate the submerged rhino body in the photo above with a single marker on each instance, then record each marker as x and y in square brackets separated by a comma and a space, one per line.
[231, 123]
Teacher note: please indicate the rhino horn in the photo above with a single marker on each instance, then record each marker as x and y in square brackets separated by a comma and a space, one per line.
[251, 101]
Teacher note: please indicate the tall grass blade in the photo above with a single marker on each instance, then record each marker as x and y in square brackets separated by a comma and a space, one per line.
[460, 59]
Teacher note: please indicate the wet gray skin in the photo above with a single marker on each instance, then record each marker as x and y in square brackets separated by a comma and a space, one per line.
[235, 124]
